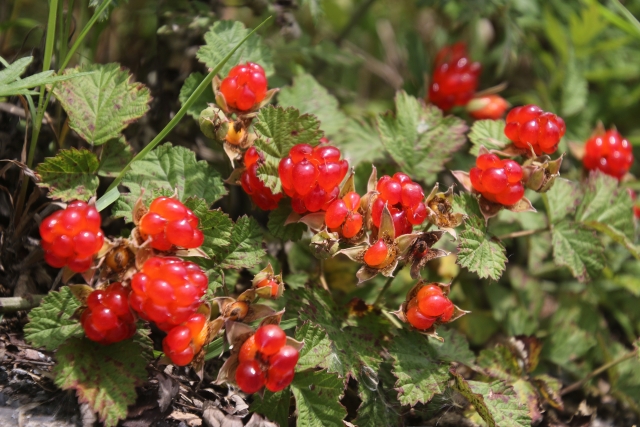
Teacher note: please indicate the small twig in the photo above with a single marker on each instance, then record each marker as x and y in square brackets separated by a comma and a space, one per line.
[13, 304]
[323, 280]
[386, 286]
[601, 369]
[522, 233]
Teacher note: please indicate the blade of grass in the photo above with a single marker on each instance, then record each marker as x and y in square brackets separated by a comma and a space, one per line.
[164, 132]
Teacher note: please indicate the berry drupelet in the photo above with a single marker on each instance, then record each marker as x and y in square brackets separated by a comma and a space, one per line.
[499, 181]
[529, 125]
[342, 215]
[169, 223]
[429, 306]
[455, 77]
[405, 200]
[108, 318]
[245, 86]
[610, 153]
[261, 195]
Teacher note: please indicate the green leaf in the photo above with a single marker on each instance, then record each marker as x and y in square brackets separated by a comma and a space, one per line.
[223, 37]
[104, 376]
[308, 96]
[100, 105]
[70, 175]
[419, 138]
[577, 248]
[189, 86]
[575, 89]
[15, 70]
[215, 225]
[245, 248]
[51, 324]
[479, 253]
[169, 168]
[489, 133]
[416, 366]
[563, 199]
[567, 343]
[277, 218]
[455, 347]
[375, 409]
[317, 346]
[359, 143]
[116, 154]
[274, 406]
[496, 403]
[318, 397]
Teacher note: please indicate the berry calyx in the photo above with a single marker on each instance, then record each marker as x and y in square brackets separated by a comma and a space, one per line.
[376, 254]
[272, 284]
[107, 318]
[169, 223]
[531, 126]
[71, 237]
[261, 195]
[184, 341]
[490, 107]
[497, 180]
[610, 153]
[245, 87]
[455, 77]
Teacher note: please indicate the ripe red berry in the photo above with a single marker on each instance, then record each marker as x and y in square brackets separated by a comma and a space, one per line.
[261, 195]
[416, 318]
[245, 87]
[342, 214]
[490, 107]
[530, 126]
[497, 180]
[107, 318]
[434, 305]
[610, 153]
[427, 291]
[455, 77]
[249, 376]
[284, 360]
[167, 291]
[270, 339]
[170, 223]
[278, 380]
[376, 254]
[404, 199]
[248, 350]
[271, 284]
[72, 236]
[184, 341]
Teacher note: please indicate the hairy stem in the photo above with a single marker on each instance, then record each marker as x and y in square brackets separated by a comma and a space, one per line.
[575, 386]
[384, 289]
[13, 304]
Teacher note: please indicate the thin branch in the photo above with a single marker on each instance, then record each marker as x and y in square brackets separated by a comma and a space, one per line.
[13, 304]
[522, 233]
[575, 386]
[384, 289]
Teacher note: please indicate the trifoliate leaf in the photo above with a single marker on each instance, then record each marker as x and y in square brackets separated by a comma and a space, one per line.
[274, 406]
[318, 397]
[223, 37]
[70, 175]
[51, 324]
[577, 248]
[245, 248]
[276, 225]
[489, 133]
[496, 403]
[169, 168]
[416, 366]
[215, 225]
[100, 105]
[103, 376]
[419, 138]
[116, 154]
[189, 86]
[308, 96]
[481, 253]
[563, 199]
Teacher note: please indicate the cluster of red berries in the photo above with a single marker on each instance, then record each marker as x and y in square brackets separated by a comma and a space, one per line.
[265, 360]
[108, 318]
[244, 87]
[610, 153]
[272, 284]
[455, 78]
[185, 340]
[169, 223]
[497, 180]
[167, 291]
[405, 200]
[342, 215]
[253, 186]
[312, 176]
[490, 107]
[529, 125]
[429, 306]
[72, 236]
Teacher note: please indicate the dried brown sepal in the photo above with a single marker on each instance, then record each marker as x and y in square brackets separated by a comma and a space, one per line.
[295, 343]
[464, 180]
[325, 244]
[236, 174]
[488, 208]
[119, 259]
[233, 152]
[236, 334]
[386, 231]
[349, 184]
[293, 218]
[440, 210]
[315, 220]
[511, 151]
[372, 184]
[549, 395]
[527, 349]
[247, 296]
[227, 371]
[273, 319]
[139, 208]
[191, 253]
[143, 253]
[523, 205]
[81, 292]
[422, 251]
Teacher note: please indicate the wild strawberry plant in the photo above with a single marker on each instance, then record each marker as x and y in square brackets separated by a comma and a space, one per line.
[299, 339]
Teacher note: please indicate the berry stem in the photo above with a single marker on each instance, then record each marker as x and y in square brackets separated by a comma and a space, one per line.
[522, 233]
[601, 369]
[386, 286]
[13, 304]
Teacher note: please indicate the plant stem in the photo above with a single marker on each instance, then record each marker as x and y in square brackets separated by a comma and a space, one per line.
[357, 15]
[522, 233]
[13, 304]
[384, 289]
[601, 369]
[323, 280]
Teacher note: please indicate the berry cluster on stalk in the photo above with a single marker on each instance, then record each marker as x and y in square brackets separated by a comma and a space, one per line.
[455, 77]
[265, 360]
[261, 195]
[499, 181]
[429, 306]
[610, 153]
[108, 318]
[244, 87]
[342, 216]
[311, 176]
[169, 223]
[72, 237]
[531, 126]
[405, 201]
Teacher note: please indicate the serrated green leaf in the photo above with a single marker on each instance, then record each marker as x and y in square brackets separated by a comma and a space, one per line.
[100, 105]
[318, 397]
[277, 218]
[245, 248]
[563, 199]
[567, 343]
[169, 168]
[375, 409]
[317, 346]
[104, 376]
[15, 70]
[274, 406]
[116, 154]
[419, 138]
[215, 225]
[578, 248]
[308, 96]
[499, 362]
[189, 86]
[455, 347]
[223, 37]
[51, 324]
[419, 372]
[359, 143]
[496, 403]
[528, 397]
[489, 133]
[479, 253]
[575, 89]
[70, 175]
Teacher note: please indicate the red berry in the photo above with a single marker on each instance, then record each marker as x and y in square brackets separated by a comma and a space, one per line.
[249, 349]
[376, 211]
[401, 225]
[352, 200]
[433, 305]
[494, 180]
[376, 254]
[417, 214]
[416, 318]
[610, 153]
[284, 360]
[352, 225]
[107, 318]
[530, 126]
[448, 313]
[390, 190]
[184, 341]
[178, 338]
[315, 199]
[326, 154]
[278, 380]
[336, 213]
[270, 339]
[510, 195]
[486, 161]
[487, 107]
[301, 152]
[304, 177]
[427, 291]
[513, 171]
[455, 78]
[244, 87]
[402, 178]
[249, 376]
[251, 156]
[170, 223]
[261, 195]
[475, 174]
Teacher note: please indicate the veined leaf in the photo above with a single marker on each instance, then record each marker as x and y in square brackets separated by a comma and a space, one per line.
[116, 154]
[274, 406]
[51, 324]
[70, 175]
[489, 133]
[276, 225]
[189, 86]
[318, 397]
[577, 248]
